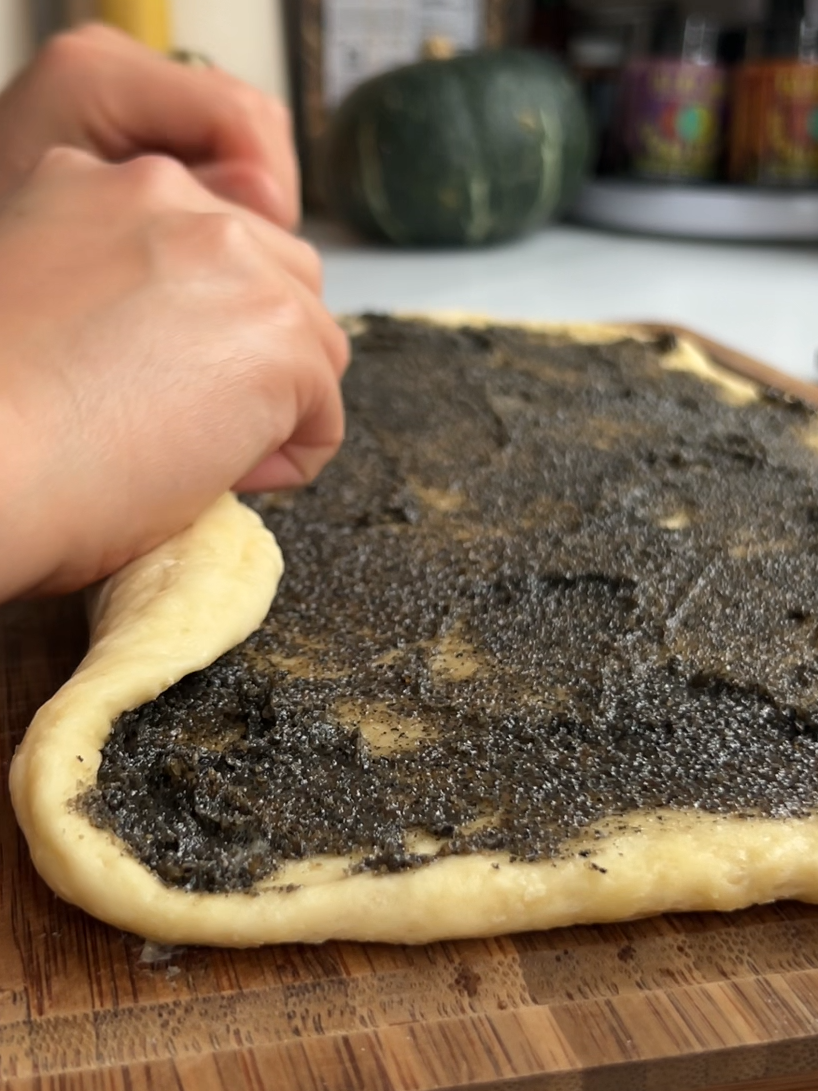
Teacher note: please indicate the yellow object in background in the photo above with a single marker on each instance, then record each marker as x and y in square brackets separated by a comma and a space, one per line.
[146, 20]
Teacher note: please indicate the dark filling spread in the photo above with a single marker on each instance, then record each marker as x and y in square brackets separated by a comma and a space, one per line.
[542, 585]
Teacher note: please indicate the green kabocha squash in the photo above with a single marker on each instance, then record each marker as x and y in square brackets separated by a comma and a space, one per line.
[463, 151]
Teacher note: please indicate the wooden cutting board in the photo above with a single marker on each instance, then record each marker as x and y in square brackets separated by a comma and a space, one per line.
[669, 1004]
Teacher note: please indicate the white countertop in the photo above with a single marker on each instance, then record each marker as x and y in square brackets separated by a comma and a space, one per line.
[762, 300]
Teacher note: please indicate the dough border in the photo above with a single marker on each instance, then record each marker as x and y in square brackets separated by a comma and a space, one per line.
[188, 601]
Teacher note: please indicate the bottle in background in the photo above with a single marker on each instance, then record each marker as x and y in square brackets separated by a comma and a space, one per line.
[672, 103]
[774, 123]
[550, 25]
[605, 38]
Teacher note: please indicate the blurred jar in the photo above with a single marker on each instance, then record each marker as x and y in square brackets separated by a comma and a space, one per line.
[604, 39]
[597, 57]
[774, 124]
[550, 25]
[671, 113]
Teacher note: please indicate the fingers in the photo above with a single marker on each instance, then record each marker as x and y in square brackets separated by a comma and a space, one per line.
[232, 235]
[131, 100]
[181, 190]
[318, 420]
[160, 183]
[301, 458]
[319, 427]
[257, 275]
[249, 186]
[256, 130]
[218, 234]
[65, 160]
[333, 340]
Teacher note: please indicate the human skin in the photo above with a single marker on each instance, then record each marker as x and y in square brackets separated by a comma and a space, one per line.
[97, 89]
[160, 346]
[164, 338]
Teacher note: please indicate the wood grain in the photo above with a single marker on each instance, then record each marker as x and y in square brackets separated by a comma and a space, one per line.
[743, 364]
[675, 1003]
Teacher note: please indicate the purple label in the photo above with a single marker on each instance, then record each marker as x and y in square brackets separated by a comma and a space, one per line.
[672, 118]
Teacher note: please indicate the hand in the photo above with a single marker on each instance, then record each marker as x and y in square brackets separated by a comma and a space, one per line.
[159, 346]
[97, 89]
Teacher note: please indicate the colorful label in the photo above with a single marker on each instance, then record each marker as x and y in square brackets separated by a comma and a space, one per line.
[777, 124]
[672, 119]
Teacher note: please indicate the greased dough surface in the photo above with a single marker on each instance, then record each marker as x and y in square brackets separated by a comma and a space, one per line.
[176, 611]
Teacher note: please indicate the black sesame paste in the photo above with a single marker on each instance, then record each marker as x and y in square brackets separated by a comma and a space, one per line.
[543, 584]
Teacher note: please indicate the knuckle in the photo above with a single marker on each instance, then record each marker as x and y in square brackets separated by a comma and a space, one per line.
[292, 312]
[310, 262]
[218, 247]
[288, 215]
[337, 346]
[336, 428]
[61, 160]
[245, 100]
[341, 349]
[280, 115]
[189, 243]
[154, 178]
[224, 234]
[243, 107]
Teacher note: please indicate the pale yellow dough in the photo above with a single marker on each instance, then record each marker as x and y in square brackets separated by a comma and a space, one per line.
[179, 608]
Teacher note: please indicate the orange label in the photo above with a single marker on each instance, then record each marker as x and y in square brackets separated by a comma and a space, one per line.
[774, 134]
